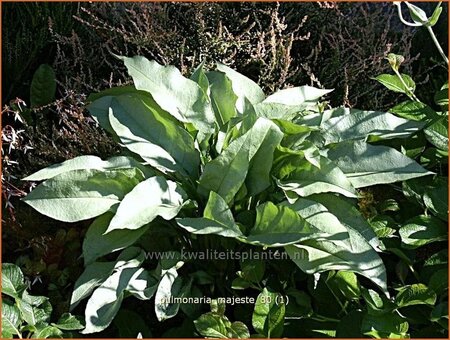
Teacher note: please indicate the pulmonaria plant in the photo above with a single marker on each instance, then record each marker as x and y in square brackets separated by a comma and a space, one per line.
[213, 162]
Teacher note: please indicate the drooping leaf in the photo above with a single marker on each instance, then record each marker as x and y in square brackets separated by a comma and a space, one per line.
[170, 286]
[421, 230]
[278, 225]
[96, 243]
[82, 194]
[416, 294]
[162, 198]
[217, 219]
[181, 97]
[105, 301]
[13, 283]
[268, 316]
[93, 276]
[366, 165]
[151, 133]
[360, 124]
[88, 162]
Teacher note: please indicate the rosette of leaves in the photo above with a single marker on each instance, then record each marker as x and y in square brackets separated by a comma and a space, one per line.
[211, 157]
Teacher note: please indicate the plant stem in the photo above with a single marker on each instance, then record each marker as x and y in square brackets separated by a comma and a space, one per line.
[436, 42]
[409, 92]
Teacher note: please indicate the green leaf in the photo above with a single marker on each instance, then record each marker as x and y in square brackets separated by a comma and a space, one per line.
[105, 301]
[268, 316]
[68, 322]
[11, 319]
[348, 214]
[297, 95]
[96, 273]
[252, 270]
[413, 110]
[199, 76]
[88, 162]
[416, 294]
[93, 276]
[435, 197]
[170, 286]
[435, 16]
[346, 283]
[44, 331]
[114, 91]
[320, 217]
[437, 133]
[239, 330]
[278, 225]
[243, 87]
[82, 194]
[43, 86]
[417, 14]
[162, 198]
[226, 173]
[441, 97]
[306, 179]
[13, 283]
[393, 83]
[150, 132]
[212, 325]
[366, 165]
[222, 97]
[181, 97]
[217, 219]
[278, 111]
[32, 314]
[96, 243]
[356, 255]
[385, 326]
[360, 124]
[421, 230]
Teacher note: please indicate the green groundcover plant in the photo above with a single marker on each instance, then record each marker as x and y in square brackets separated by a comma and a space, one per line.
[212, 163]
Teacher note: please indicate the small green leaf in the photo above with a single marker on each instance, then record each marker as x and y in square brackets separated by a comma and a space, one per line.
[422, 230]
[441, 97]
[393, 83]
[435, 16]
[68, 322]
[385, 326]
[413, 110]
[13, 283]
[417, 14]
[268, 316]
[212, 325]
[46, 331]
[222, 97]
[416, 294]
[347, 283]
